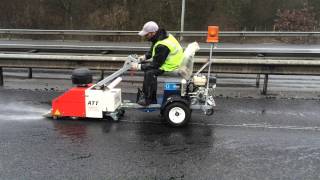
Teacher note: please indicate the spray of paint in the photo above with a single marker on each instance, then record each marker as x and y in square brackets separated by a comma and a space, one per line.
[19, 111]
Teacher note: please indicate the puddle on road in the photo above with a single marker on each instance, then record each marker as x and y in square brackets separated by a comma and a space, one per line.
[21, 112]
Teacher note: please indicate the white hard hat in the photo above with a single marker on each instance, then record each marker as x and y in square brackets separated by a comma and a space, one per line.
[149, 27]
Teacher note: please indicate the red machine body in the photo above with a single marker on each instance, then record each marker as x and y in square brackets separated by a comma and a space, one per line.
[71, 103]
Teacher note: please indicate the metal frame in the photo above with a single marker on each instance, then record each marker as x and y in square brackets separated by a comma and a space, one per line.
[125, 68]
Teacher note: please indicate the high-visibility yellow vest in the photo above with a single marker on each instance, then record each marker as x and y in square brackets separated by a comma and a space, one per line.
[175, 56]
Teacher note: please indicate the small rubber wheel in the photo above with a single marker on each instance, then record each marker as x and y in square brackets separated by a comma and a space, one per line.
[177, 114]
[121, 112]
[209, 112]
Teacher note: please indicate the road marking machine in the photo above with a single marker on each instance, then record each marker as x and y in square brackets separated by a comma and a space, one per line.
[183, 92]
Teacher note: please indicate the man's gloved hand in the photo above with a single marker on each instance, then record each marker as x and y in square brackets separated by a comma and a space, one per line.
[136, 66]
[142, 58]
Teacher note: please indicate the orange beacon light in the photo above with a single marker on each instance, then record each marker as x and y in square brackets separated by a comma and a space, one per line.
[213, 34]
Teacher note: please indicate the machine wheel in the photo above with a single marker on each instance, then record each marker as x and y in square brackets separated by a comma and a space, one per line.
[209, 112]
[177, 114]
[121, 112]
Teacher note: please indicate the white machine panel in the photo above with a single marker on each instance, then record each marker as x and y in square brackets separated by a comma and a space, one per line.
[99, 101]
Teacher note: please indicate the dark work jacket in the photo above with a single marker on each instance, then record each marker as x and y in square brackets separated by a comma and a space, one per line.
[161, 52]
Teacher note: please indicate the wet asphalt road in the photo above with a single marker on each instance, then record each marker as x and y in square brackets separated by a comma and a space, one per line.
[244, 139]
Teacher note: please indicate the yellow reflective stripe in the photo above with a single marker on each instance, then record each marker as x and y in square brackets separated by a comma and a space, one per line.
[169, 43]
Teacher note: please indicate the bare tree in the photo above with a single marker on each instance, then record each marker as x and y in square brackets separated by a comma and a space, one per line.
[303, 19]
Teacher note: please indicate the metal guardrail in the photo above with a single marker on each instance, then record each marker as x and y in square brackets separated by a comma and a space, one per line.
[178, 33]
[220, 65]
[222, 49]
[105, 62]
[223, 65]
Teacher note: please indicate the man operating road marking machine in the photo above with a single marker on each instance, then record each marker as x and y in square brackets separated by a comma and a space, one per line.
[183, 92]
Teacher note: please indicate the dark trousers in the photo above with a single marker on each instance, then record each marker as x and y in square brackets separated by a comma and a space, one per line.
[150, 84]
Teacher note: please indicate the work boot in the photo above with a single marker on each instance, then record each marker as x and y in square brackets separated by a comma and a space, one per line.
[141, 100]
[144, 102]
[140, 95]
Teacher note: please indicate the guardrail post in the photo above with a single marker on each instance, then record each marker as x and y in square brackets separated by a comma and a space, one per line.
[258, 81]
[102, 75]
[265, 84]
[1, 77]
[30, 73]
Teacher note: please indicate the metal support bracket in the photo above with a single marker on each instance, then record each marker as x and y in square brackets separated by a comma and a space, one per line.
[258, 81]
[1, 77]
[30, 73]
[102, 75]
[265, 84]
